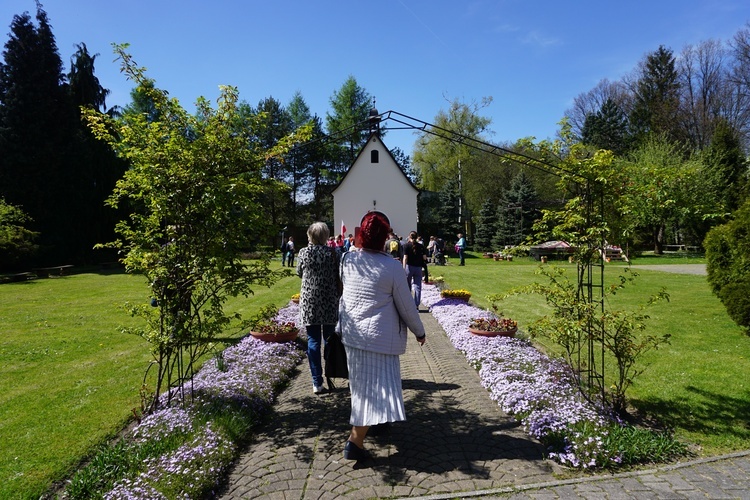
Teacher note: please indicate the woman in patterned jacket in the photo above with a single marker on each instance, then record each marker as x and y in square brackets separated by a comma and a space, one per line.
[317, 265]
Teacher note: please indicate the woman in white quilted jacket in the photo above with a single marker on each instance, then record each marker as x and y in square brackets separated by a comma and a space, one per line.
[374, 312]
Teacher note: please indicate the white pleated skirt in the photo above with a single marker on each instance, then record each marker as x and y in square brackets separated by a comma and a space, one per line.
[375, 386]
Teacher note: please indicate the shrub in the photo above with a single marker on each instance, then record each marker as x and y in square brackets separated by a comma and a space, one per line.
[728, 264]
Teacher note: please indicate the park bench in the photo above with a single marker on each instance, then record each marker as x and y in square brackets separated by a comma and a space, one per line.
[45, 272]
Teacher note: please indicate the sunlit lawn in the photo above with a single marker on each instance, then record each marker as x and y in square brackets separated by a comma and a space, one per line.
[69, 380]
[698, 384]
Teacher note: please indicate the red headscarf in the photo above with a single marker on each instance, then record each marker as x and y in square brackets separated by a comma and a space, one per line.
[373, 230]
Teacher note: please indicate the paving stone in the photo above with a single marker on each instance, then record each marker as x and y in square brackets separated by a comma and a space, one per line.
[455, 443]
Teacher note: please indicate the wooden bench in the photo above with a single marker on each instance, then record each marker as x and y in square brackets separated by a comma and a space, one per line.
[45, 272]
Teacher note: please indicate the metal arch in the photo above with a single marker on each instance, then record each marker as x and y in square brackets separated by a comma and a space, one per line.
[590, 275]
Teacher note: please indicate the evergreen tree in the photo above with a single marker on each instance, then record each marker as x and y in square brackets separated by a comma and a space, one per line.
[607, 128]
[97, 167]
[486, 226]
[346, 123]
[298, 160]
[516, 212]
[142, 103]
[729, 165]
[657, 96]
[448, 212]
[37, 124]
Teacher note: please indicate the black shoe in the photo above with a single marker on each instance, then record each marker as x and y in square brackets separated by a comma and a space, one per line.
[354, 452]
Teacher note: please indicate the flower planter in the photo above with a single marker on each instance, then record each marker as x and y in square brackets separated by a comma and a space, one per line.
[270, 337]
[487, 333]
[296, 301]
[462, 299]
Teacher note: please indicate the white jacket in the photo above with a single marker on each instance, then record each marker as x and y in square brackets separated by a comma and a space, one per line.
[377, 305]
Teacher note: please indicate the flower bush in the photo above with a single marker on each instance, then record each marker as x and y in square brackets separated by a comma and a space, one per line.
[275, 327]
[493, 324]
[542, 393]
[539, 391]
[184, 450]
[455, 294]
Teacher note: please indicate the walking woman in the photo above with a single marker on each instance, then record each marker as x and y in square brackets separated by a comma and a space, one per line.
[318, 265]
[374, 311]
[413, 262]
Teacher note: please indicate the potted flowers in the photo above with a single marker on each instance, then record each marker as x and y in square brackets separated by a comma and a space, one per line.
[295, 298]
[464, 295]
[493, 327]
[275, 331]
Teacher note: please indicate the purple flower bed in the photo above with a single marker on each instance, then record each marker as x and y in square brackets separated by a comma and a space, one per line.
[245, 380]
[525, 383]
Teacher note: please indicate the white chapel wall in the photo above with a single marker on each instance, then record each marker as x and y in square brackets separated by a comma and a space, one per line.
[375, 186]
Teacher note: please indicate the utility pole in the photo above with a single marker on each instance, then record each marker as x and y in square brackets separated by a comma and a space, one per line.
[460, 195]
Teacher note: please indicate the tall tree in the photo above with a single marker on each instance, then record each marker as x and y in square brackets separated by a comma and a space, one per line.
[607, 128]
[657, 98]
[706, 95]
[448, 215]
[37, 121]
[517, 211]
[97, 167]
[346, 123]
[592, 101]
[486, 224]
[273, 124]
[298, 160]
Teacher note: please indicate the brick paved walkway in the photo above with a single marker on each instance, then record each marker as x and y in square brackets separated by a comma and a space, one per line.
[456, 443]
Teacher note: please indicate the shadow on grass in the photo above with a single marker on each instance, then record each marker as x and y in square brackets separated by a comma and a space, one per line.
[708, 413]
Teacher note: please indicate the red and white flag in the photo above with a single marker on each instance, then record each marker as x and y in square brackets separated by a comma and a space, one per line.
[343, 228]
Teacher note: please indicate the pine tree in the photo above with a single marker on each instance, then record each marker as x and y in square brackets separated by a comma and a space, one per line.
[516, 212]
[37, 125]
[448, 212]
[657, 96]
[96, 169]
[486, 226]
[351, 106]
[607, 128]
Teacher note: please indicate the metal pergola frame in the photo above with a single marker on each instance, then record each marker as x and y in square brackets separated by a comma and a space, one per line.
[590, 274]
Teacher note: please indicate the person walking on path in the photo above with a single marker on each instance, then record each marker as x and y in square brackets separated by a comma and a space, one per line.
[283, 253]
[290, 252]
[374, 311]
[318, 266]
[461, 248]
[413, 262]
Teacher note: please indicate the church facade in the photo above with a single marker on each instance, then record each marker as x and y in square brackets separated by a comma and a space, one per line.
[375, 182]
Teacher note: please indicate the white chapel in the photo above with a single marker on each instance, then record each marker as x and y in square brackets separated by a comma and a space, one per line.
[375, 182]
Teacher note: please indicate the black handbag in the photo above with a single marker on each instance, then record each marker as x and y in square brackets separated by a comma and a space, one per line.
[334, 355]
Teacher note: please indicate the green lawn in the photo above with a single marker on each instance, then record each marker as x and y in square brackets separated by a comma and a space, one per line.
[698, 384]
[69, 379]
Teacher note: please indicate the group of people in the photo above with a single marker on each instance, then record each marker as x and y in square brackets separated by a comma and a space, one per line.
[364, 295]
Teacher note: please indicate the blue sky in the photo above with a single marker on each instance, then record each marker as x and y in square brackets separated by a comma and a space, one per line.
[532, 57]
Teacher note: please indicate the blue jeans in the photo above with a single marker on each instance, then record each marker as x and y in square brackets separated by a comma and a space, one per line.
[314, 334]
[461, 256]
[414, 278]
